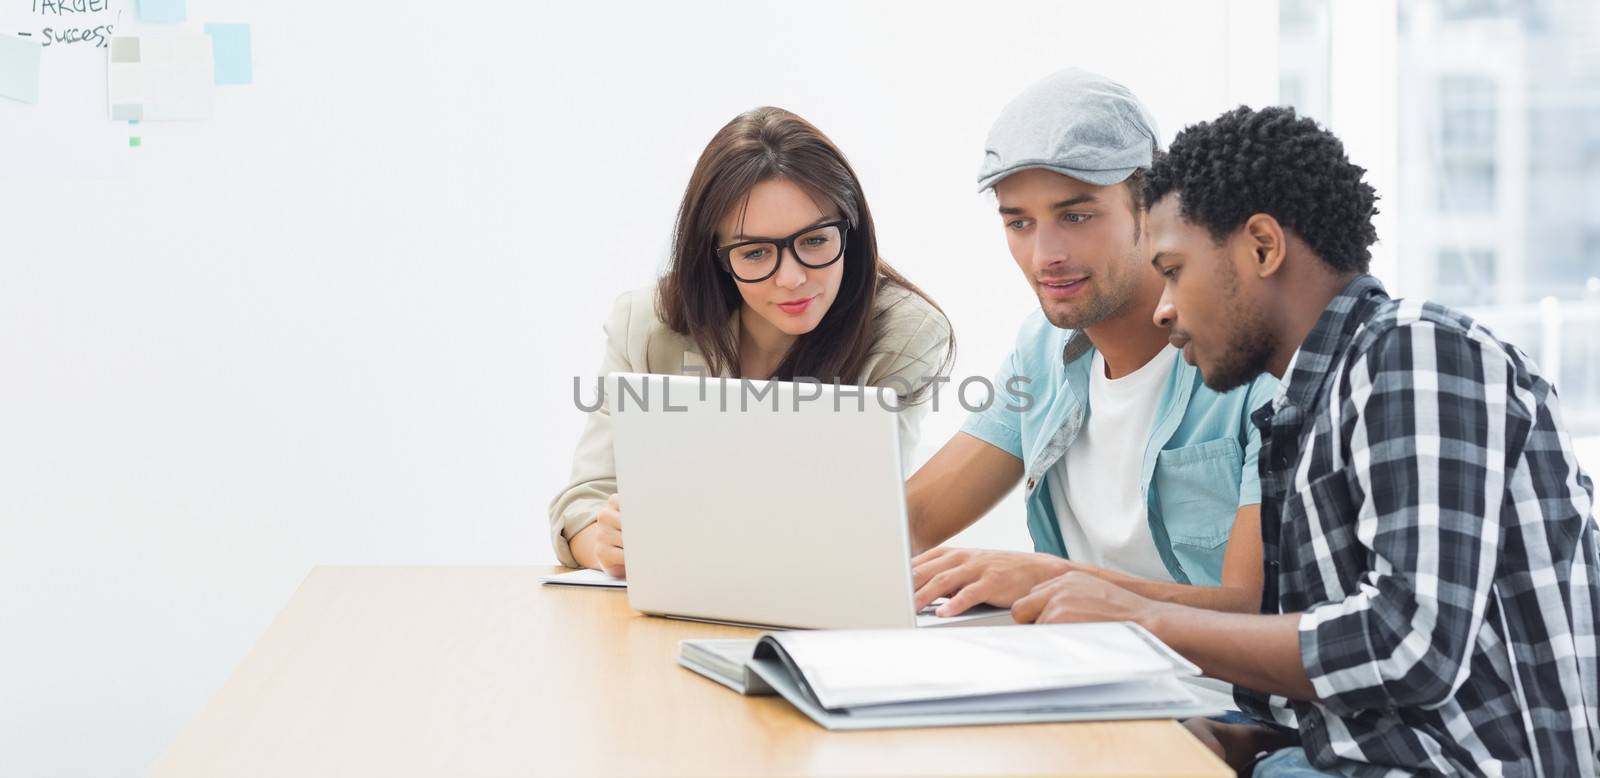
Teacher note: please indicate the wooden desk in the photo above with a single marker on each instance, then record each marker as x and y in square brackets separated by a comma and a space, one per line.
[412, 671]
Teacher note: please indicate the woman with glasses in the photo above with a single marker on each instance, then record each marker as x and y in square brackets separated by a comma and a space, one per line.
[774, 274]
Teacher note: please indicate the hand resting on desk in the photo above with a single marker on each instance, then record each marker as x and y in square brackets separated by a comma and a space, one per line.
[599, 545]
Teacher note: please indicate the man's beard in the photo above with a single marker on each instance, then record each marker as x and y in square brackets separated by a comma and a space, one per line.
[1250, 350]
[1251, 341]
[1100, 303]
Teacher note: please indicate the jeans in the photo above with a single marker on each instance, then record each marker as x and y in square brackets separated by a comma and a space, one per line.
[1287, 763]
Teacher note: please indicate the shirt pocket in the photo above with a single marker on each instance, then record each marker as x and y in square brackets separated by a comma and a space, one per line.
[1197, 492]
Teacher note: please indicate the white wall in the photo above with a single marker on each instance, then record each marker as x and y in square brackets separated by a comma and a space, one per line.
[338, 324]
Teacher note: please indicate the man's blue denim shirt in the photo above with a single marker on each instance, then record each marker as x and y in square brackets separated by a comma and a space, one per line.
[1199, 464]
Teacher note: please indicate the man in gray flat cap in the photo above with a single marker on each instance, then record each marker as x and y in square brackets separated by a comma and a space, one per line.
[1134, 471]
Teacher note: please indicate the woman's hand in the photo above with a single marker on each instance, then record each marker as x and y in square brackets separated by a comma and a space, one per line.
[603, 540]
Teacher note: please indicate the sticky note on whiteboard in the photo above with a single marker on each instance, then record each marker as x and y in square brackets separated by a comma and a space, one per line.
[19, 68]
[163, 10]
[165, 76]
[230, 45]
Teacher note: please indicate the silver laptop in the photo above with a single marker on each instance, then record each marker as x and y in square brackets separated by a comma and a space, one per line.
[766, 503]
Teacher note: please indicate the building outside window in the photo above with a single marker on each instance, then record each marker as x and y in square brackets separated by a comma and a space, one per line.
[1497, 202]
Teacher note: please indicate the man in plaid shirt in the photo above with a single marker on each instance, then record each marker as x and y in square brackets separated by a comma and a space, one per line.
[1431, 597]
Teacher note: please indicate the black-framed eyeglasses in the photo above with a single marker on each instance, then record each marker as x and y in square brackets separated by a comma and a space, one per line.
[754, 261]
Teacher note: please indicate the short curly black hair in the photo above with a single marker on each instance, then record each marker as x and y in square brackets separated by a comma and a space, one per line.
[1270, 161]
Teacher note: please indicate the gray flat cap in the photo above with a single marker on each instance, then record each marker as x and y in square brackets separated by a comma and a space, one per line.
[1075, 123]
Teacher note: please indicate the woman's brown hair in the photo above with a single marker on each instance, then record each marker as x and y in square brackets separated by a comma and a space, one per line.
[696, 298]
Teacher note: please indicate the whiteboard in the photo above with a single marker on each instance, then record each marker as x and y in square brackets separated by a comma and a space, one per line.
[69, 133]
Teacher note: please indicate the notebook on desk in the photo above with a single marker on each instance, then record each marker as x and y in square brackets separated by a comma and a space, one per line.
[886, 679]
[593, 578]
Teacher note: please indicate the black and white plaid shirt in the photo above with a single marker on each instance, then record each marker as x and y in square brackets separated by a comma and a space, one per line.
[1422, 508]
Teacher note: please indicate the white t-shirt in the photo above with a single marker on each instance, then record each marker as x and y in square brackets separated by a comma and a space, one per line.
[1096, 487]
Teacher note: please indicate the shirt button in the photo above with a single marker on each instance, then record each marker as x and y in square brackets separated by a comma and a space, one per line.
[1030, 484]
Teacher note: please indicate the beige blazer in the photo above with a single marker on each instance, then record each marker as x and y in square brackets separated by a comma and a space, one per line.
[910, 339]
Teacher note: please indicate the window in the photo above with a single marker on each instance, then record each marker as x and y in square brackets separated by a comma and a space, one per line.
[1468, 9]
[1465, 277]
[1466, 144]
[1303, 27]
[1466, 114]
[1497, 165]
[1466, 186]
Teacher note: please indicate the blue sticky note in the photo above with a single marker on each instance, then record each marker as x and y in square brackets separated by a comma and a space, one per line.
[230, 47]
[19, 68]
[163, 10]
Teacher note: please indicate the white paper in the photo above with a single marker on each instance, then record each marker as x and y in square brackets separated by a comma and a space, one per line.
[727, 658]
[168, 76]
[1150, 693]
[733, 652]
[585, 577]
[850, 668]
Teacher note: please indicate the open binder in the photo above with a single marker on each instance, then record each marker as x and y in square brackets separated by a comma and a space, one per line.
[883, 679]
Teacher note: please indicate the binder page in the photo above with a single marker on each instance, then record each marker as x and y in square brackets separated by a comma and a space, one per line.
[849, 668]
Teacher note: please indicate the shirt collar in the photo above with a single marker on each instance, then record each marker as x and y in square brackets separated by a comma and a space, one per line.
[1281, 398]
[1077, 346]
[1313, 361]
